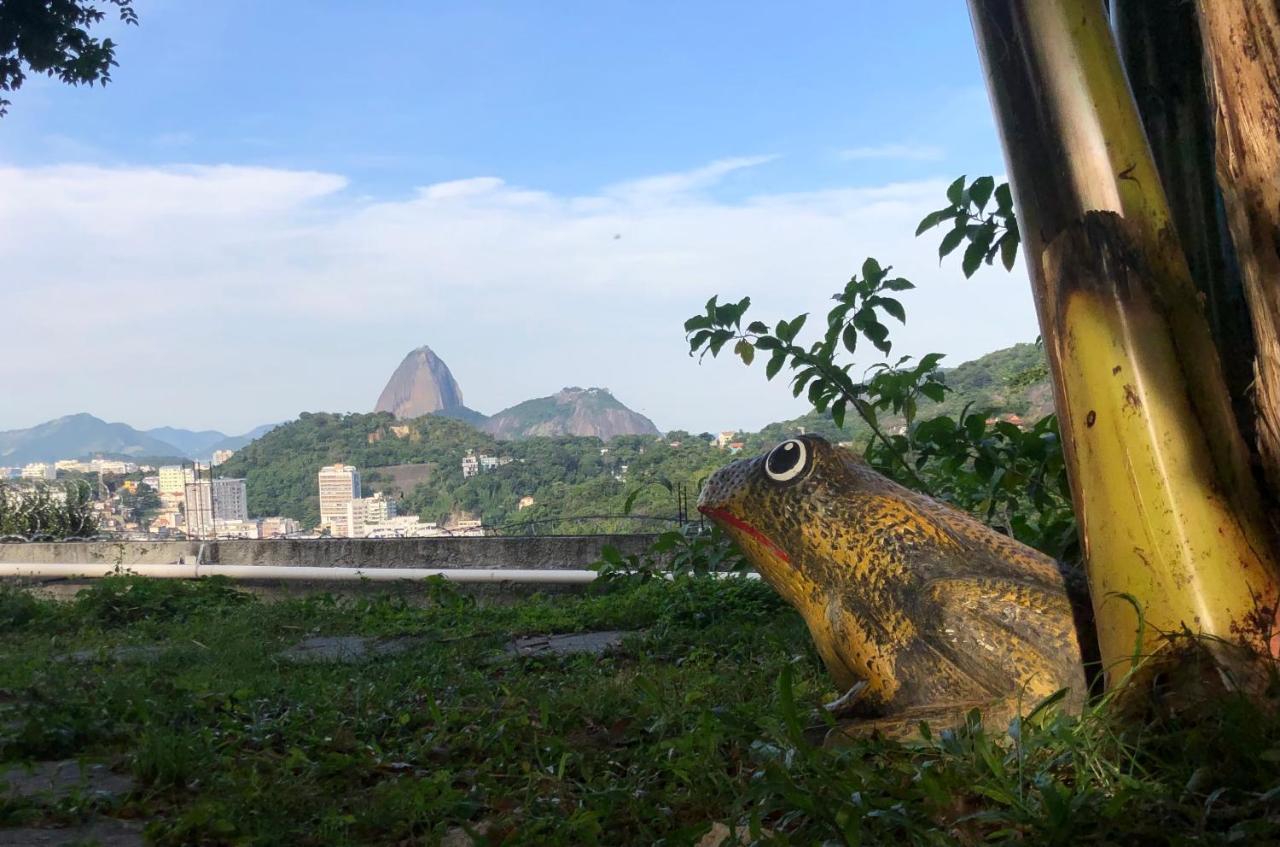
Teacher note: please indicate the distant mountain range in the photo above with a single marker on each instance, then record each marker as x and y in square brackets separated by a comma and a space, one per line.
[423, 385]
[84, 436]
[1012, 381]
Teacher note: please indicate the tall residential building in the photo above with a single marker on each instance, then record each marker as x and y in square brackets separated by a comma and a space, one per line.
[339, 485]
[209, 504]
[174, 478]
[220, 456]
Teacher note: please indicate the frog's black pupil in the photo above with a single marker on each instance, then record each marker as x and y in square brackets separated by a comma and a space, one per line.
[784, 458]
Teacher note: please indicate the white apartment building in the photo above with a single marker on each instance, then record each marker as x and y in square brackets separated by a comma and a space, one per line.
[114, 466]
[339, 485]
[403, 526]
[362, 514]
[473, 464]
[220, 456]
[40, 470]
[173, 479]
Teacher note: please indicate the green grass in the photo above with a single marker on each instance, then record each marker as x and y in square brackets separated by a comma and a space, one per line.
[699, 719]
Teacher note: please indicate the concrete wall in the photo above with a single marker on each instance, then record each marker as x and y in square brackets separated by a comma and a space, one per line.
[553, 551]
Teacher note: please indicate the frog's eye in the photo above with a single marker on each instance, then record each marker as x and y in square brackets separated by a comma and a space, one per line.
[787, 461]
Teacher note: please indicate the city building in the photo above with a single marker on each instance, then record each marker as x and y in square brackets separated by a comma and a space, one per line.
[339, 485]
[467, 527]
[403, 526]
[724, 439]
[40, 470]
[525, 502]
[112, 466]
[207, 504]
[363, 513]
[237, 529]
[173, 479]
[280, 527]
[73, 465]
[220, 456]
[473, 464]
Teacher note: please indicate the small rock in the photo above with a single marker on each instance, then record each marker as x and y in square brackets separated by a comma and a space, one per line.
[597, 643]
[56, 780]
[104, 832]
[721, 836]
[458, 837]
[346, 648]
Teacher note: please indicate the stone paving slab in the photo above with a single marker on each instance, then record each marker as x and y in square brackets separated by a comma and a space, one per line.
[128, 653]
[57, 780]
[595, 643]
[104, 832]
[346, 649]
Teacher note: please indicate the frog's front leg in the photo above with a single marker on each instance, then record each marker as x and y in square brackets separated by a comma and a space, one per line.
[845, 705]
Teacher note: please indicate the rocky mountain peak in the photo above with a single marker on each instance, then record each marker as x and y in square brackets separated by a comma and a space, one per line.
[422, 385]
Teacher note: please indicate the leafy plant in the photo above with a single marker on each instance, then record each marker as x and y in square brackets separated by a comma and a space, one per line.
[32, 511]
[988, 233]
[1013, 478]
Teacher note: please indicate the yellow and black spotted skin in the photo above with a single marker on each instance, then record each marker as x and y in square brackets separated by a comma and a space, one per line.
[932, 611]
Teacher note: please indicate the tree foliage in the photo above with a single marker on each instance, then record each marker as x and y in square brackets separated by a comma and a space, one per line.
[52, 37]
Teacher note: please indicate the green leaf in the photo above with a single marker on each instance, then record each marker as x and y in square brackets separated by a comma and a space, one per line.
[775, 364]
[973, 256]
[894, 308]
[935, 391]
[871, 271]
[932, 219]
[980, 191]
[850, 338]
[950, 242]
[792, 329]
[696, 322]
[955, 191]
[837, 413]
[879, 335]
[1008, 249]
[1004, 199]
[745, 351]
[898, 284]
[757, 328]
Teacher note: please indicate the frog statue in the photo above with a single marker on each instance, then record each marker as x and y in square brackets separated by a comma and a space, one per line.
[921, 612]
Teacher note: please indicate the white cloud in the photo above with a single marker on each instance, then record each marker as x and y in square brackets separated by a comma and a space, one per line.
[228, 296]
[913, 152]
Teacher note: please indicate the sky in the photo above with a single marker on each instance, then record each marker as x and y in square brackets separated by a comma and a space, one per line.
[272, 203]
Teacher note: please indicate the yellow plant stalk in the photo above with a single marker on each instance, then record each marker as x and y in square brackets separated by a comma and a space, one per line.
[1168, 510]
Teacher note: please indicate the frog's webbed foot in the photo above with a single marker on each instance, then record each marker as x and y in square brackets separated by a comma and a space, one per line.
[844, 705]
[905, 725]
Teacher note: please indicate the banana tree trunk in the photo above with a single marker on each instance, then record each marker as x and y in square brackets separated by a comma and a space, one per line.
[1242, 54]
[1159, 43]
[1170, 517]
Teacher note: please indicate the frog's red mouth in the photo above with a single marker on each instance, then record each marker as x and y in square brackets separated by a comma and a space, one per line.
[726, 517]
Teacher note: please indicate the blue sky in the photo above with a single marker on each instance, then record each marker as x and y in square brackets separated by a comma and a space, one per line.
[242, 225]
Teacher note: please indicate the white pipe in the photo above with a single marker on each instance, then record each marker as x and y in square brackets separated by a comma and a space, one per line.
[549, 576]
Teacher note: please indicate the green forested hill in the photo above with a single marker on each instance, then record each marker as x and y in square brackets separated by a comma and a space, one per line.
[567, 476]
[1014, 380]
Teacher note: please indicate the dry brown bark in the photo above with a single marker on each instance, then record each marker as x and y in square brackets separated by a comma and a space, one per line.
[1242, 66]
